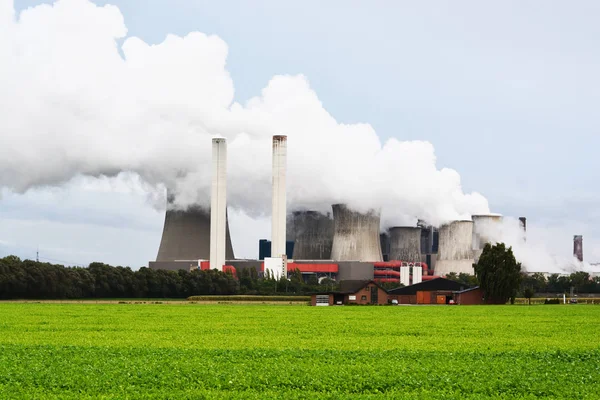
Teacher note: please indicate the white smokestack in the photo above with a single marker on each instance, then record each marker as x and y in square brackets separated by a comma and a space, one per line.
[218, 203]
[278, 227]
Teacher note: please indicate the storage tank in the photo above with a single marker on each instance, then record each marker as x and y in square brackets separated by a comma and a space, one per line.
[455, 251]
[405, 243]
[186, 234]
[355, 235]
[312, 233]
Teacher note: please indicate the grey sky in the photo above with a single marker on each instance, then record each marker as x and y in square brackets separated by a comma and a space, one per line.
[508, 92]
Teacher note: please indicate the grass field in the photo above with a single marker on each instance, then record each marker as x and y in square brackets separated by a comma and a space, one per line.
[163, 351]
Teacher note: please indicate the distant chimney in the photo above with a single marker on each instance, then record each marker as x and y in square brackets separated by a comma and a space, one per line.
[523, 223]
[278, 217]
[578, 247]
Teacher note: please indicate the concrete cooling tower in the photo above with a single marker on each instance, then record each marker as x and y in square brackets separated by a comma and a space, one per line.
[486, 228]
[405, 243]
[455, 249]
[355, 235]
[186, 235]
[312, 233]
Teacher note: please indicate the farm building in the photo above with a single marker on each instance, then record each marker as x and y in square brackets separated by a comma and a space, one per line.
[469, 296]
[435, 291]
[352, 292]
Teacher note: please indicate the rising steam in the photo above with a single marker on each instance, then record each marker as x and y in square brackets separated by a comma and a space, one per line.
[75, 102]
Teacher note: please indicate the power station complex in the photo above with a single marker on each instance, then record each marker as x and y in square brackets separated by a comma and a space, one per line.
[343, 244]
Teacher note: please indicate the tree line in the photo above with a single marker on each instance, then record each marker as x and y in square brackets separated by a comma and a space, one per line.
[580, 281]
[28, 279]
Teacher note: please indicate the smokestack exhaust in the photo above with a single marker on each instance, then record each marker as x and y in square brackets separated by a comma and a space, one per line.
[218, 204]
[278, 218]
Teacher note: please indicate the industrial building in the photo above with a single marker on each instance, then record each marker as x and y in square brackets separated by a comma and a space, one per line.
[343, 244]
[352, 292]
[435, 291]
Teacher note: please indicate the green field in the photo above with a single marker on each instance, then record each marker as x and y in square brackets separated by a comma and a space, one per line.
[162, 351]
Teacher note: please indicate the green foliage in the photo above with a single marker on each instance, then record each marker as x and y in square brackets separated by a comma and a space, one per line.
[27, 279]
[528, 293]
[552, 301]
[580, 281]
[249, 298]
[498, 273]
[466, 279]
[54, 351]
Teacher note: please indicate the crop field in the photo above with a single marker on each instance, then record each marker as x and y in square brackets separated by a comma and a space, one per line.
[165, 351]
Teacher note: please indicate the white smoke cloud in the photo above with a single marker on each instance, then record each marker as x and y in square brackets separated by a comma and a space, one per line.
[75, 103]
[534, 249]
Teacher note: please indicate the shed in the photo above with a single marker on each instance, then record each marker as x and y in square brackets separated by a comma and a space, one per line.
[469, 296]
[434, 291]
[352, 292]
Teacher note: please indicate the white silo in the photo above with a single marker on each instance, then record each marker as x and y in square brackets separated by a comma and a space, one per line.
[455, 248]
[355, 235]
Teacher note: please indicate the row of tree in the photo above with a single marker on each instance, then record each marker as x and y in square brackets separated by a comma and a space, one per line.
[27, 279]
[581, 282]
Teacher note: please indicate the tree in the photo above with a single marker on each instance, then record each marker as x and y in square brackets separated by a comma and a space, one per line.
[528, 293]
[498, 273]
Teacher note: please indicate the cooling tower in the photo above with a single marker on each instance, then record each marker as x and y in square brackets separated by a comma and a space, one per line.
[405, 243]
[186, 235]
[312, 233]
[278, 216]
[355, 235]
[455, 253]
[578, 247]
[486, 229]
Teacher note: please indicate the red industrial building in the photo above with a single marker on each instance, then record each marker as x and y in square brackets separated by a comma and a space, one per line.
[435, 291]
[352, 292]
[469, 296]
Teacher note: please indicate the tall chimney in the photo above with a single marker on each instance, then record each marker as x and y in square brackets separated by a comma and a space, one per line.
[523, 223]
[278, 218]
[578, 247]
[218, 203]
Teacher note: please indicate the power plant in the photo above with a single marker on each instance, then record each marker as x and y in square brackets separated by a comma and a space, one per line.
[346, 244]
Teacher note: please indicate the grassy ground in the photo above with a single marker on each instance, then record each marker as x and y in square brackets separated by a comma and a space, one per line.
[220, 351]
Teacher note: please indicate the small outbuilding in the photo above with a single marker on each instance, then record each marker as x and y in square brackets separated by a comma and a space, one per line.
[352, 292]
[434, 291]
[469, 296]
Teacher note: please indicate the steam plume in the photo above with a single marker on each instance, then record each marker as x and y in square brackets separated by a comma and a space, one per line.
[74, 102]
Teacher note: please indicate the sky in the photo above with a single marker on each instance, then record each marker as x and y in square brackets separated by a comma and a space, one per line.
[506, 92]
